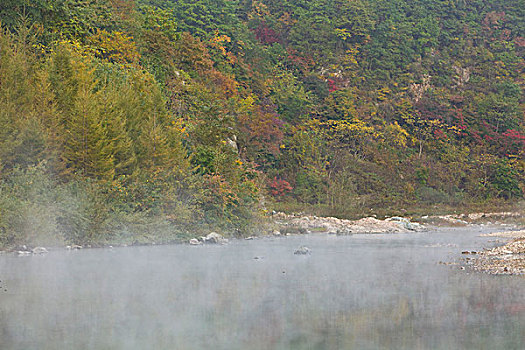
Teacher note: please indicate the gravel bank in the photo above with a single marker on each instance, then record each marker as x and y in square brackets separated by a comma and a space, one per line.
[508, 259]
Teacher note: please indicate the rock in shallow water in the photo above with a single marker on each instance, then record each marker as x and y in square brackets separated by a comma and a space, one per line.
[302, 251]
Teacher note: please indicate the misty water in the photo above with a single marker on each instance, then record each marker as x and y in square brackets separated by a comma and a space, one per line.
[351, 292]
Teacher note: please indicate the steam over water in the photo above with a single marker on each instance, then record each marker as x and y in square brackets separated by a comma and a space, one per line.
[354, 292]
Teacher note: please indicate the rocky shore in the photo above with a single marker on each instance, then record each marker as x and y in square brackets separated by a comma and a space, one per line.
[306, 224]
[496, 218]
[508, 259]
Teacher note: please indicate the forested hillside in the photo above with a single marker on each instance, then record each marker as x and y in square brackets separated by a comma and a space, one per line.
[138, 121]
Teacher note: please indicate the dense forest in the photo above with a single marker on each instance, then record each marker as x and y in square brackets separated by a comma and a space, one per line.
[147, 121]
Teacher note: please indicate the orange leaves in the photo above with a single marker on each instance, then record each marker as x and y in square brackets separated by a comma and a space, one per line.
[217, 43]
[279, 187]
[260, 126]
[219, 39]
[227, 83]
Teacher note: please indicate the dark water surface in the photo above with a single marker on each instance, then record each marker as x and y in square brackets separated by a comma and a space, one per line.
[353, 292]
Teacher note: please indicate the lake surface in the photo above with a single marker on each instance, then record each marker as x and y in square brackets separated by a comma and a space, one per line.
[351, 292]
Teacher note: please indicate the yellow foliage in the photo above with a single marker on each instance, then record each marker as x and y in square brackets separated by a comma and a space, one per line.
[177, 124]
[396, 135]
[343, 33]
[286, 20]
[246, 104]
[216, 42]
[259, 10]
[354, 127]
[382, 94]
[352, 53]
[115, 47]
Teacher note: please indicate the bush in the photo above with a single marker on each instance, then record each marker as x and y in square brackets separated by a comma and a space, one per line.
[431, 195]
[29, 208]
[505, 180]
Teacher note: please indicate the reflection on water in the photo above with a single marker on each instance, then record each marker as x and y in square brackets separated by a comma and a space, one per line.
[358, 292]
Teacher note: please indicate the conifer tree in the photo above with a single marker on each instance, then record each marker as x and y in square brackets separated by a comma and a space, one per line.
[87, 144]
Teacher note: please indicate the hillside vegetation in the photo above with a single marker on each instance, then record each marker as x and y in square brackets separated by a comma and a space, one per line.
[141, 121]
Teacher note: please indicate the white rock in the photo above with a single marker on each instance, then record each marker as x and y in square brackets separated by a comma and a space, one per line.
[195, 241]
[40, 250]
[215, 238]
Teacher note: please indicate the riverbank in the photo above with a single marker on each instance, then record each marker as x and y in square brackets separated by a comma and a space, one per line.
[508, 259]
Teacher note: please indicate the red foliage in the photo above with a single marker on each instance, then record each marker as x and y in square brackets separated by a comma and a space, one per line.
[265, 34]
[476, 136]
[332, 86]
[460, 122]
[513, 140]
[510, 141]
[440, 135]
[519, 41]
[302, 62]
[279, 187]
[262, 129]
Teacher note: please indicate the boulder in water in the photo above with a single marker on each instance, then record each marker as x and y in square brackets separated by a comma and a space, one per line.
[302, 251]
